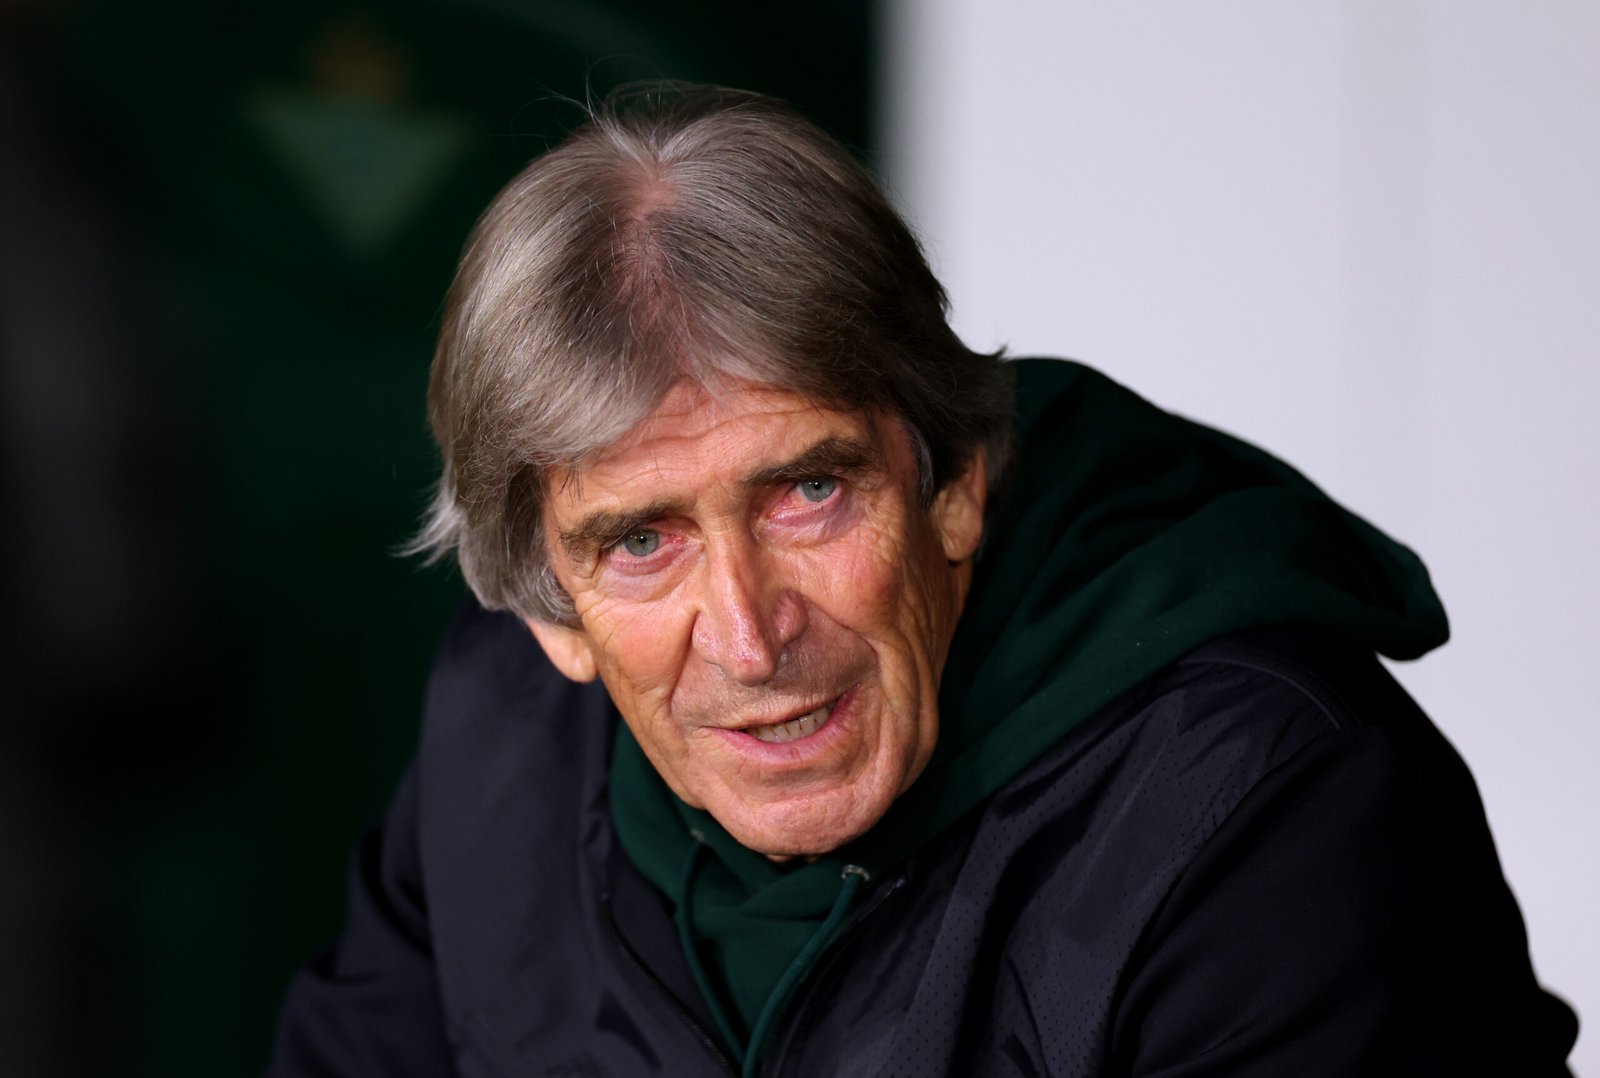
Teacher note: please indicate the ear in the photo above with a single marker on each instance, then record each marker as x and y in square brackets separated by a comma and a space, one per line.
[568, 649]
[958, 510]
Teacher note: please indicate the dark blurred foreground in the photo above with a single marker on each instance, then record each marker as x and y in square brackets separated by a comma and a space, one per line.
[223, 244]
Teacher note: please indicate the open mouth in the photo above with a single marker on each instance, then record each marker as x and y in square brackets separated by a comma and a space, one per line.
[792, 730]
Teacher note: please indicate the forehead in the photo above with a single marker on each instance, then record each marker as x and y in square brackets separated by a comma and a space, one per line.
[703, 435]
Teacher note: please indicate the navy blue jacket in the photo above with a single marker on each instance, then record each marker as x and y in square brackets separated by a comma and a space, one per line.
[1263, 861]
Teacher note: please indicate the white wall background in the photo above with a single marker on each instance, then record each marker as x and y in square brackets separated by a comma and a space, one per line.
[1364, 233]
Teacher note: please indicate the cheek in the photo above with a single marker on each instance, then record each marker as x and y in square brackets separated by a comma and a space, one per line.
[884, 578]
[640, 650]
[856, 583]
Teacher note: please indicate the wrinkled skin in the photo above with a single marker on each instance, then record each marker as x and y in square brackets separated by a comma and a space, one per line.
[727, 576]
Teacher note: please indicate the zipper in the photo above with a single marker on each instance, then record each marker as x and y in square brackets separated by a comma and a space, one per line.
[806, 989]
[706, 1040]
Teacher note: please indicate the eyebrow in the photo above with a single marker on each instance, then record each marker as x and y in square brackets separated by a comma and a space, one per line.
[845, 458]
[604, 527]
[836, 456]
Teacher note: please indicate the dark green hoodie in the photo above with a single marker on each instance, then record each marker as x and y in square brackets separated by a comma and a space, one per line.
[1128, 538]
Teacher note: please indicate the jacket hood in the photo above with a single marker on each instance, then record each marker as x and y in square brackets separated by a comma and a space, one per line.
[1130, 537]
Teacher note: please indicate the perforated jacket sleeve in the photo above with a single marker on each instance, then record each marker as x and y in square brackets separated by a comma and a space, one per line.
[1350, 917]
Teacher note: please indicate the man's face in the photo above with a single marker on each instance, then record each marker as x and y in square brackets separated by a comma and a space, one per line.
[768, 604]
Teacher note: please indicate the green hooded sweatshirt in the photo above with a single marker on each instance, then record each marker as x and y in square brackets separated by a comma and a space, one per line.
[1128, 538]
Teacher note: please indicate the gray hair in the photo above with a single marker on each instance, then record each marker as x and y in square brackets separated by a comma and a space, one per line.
[681, 233]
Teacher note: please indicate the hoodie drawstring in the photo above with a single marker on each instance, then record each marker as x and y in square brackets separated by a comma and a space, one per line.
[852, 877]
[685, 922]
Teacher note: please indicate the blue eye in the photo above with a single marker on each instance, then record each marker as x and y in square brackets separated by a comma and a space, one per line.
[641, 544]
[817, 490]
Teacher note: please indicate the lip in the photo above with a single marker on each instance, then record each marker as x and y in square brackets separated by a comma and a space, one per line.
[802, 750]
[829, 702]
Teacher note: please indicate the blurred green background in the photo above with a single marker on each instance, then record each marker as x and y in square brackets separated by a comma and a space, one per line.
[225, 233]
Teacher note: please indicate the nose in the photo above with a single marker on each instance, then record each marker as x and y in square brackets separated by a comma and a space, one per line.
[747, 616]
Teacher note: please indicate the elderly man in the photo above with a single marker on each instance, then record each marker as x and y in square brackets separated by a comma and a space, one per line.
[840, 701]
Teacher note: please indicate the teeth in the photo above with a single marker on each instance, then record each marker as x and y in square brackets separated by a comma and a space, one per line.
[789, 731]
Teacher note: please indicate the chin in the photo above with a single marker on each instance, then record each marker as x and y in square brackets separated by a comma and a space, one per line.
[777, 833]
